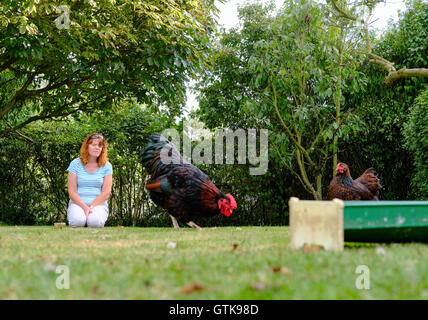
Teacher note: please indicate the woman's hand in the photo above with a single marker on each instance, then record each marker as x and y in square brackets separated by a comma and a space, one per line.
[87, 211]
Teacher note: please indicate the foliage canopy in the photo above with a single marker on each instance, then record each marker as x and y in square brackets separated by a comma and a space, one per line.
[110, 50]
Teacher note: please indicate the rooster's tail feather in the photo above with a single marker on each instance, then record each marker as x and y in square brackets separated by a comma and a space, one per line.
[158, 154]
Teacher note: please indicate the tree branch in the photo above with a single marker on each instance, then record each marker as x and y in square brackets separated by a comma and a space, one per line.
[321, 130]
[405, 73]
[288, 167]
[344, 14]
[388, 66]
[301, 164]
[7, 64]
[290, 134]
[59, 112]
[17, 96]
[29, 93]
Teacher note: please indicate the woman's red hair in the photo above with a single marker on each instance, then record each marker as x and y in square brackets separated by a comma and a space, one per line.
[84, 154]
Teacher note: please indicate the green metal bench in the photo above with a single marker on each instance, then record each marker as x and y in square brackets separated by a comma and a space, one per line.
[385, 221]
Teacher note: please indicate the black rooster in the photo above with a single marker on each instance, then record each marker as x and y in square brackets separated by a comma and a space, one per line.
[179, 187]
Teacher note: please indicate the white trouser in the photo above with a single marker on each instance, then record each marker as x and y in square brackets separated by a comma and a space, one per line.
[76, 216]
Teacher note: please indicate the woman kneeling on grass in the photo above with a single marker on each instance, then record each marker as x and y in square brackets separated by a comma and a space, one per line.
[90, 178]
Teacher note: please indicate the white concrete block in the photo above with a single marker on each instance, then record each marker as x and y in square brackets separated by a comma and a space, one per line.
[316, 223]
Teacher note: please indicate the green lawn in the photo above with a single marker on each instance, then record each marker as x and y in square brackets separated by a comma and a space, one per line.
[218, 263]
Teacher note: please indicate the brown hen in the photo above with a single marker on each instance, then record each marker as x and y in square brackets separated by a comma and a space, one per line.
[342, 186]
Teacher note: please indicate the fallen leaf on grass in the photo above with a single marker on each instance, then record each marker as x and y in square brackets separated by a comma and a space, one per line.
[49, 266]
[258, 285]
[73, 255]
[18, 236]
[275, 269]
[235, 246]
[95, 289]
[172, 245]
[192, 287]
[380, 251]
[178, 268]
[111, 263]
[283, 270]
[311, 248]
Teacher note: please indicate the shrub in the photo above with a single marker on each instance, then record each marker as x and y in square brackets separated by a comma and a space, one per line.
[416, 141]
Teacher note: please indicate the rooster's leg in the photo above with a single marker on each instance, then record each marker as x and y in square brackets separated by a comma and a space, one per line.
[193, 225]
[174, 222]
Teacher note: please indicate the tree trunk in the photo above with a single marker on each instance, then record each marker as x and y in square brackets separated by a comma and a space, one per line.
[337, 96]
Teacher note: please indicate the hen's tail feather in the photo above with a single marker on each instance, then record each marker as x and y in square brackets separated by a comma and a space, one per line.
[371, 180]
[373, 171]
[158, 154]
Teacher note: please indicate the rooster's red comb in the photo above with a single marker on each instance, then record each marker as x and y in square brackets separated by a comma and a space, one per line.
[232, 200]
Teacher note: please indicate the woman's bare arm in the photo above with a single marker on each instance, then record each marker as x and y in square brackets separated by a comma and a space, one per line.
[72, 192]
[106, 191]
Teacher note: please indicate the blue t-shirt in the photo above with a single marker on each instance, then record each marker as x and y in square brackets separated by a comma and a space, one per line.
[89, 185]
